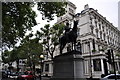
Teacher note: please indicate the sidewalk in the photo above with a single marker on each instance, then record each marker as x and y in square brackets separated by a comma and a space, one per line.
[44, 78]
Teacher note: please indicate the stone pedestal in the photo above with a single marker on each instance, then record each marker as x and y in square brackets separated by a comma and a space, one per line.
[68, 66]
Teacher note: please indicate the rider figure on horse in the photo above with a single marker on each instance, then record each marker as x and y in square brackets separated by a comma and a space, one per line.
[67, 30]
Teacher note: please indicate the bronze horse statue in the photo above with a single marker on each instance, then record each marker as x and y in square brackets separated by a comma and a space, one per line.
[68, 37]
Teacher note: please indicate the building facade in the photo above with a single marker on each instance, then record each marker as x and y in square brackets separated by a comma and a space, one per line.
[96, 35]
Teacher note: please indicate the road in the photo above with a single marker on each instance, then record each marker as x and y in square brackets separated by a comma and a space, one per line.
[43, 78]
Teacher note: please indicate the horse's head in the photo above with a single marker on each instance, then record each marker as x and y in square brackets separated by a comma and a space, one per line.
[75, 26]
[75, 23]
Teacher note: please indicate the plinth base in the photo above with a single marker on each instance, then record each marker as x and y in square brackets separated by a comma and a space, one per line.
[68, 66]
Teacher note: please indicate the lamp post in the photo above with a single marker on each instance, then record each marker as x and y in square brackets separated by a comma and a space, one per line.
[113, 63]
[41, 58]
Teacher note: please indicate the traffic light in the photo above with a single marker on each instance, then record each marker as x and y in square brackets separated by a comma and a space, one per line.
[108, 56]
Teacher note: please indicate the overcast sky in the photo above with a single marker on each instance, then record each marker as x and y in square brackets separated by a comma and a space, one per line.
[107, 8]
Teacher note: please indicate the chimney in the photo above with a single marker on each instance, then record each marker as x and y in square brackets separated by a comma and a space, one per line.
[86, 6]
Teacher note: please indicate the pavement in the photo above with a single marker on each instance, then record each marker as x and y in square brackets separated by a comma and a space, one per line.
[44, 78]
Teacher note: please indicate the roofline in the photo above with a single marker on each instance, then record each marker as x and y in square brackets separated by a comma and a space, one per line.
[73, 5]
[98, 14]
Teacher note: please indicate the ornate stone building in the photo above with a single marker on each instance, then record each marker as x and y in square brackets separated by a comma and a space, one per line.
[96, 35]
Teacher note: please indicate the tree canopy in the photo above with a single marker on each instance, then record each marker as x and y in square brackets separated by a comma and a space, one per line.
[29, 49]
[51, 37]
[18, 17]
[48, 9]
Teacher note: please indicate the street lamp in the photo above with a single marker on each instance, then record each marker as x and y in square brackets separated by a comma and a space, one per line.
[41, 58]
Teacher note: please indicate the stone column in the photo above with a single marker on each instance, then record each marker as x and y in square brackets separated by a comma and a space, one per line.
[102, 66]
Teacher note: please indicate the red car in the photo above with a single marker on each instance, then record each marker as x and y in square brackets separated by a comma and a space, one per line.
[28, 75]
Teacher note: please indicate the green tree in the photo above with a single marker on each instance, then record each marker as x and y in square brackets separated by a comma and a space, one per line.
[29, 49]
[51, 37]
[18, 17]
[118, 54]
[14, 55]
[32, 48]
[6, 56]
[49, 9]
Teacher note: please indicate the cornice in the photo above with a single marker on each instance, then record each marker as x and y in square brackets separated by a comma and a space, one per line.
[71, 4]
[104, 19]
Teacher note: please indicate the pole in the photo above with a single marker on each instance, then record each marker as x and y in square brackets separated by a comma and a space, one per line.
[90, 66]
[114, 64]
[40, 69]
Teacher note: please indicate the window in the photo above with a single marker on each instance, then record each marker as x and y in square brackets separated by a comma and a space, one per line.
[104, 36]
[61, 18]
[20, 61]
[108, 40]
[97, 33]
[100, 34]
[71, 10]
[100, 26]
[46, 67]
[99, 47]
[96, 23]
[92, 29]
[103, 28]
[97, 64]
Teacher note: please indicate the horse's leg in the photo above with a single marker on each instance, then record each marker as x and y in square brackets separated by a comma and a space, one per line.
[60, 48]
[72, 45]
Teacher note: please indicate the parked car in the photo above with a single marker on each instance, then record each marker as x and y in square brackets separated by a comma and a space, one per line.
[28, 75]
[13, 75]
[111, 77]
[8, 73]
[4, 74]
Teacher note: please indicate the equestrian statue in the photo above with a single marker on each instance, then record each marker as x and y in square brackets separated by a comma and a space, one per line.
[69, 36]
